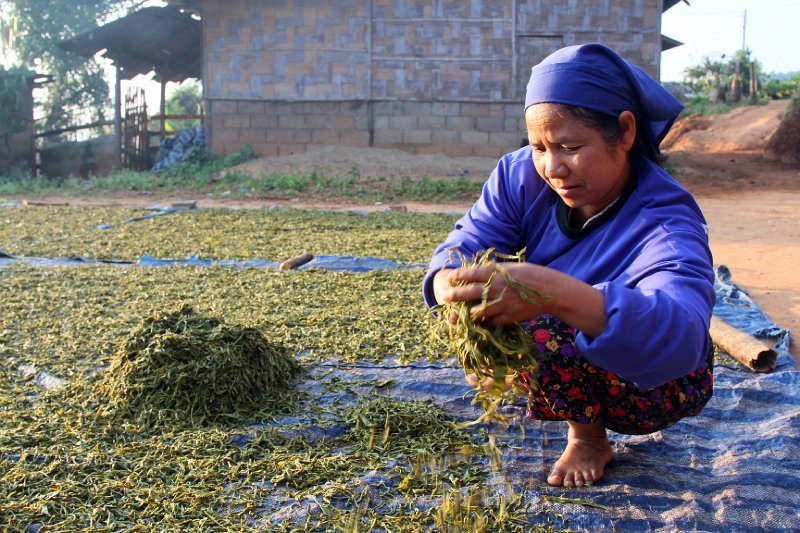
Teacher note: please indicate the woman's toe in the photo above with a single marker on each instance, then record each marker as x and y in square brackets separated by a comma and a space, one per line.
[556, 478]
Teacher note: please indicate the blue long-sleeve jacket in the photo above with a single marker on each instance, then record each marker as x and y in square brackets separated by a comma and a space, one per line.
[648, 253]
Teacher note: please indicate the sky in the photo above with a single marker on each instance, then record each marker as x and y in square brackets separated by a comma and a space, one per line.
[714, 27]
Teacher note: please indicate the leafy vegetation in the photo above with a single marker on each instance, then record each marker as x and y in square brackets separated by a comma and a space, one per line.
[62, 466]
[349, 456]
[184, 100]
[13, 83]
[78, 83]
[712, 82]
[715, 79]
[775, 88]
[702, 105]
[240, 234]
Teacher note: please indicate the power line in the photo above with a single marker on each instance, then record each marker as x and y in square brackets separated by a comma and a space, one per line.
[728, 13]
[781, 6]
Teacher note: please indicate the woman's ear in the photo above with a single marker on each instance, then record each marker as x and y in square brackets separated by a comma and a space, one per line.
[627, 126]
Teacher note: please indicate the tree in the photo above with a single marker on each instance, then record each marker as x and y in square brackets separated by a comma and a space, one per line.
[714, 78]
[185, 100]
[777, 87]
[13, 83]
[79, 90]
[707, 78]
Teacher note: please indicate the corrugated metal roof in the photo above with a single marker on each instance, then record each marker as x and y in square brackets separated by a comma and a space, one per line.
[161, 39]
[669, 3]
[668, 43]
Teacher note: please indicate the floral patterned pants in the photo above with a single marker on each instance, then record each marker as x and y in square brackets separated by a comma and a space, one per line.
[572, 388]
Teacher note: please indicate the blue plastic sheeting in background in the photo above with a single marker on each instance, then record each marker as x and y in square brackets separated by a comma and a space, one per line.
[351, 263]
[346, 263]
[193, 260]
[181, 147]
[43, 262]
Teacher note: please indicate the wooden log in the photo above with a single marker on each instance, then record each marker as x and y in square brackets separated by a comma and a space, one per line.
[296, 261]
[749, 351]
[184, 204]
[44, 203]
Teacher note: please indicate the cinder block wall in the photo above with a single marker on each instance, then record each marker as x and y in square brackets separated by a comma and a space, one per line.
[452, 128]
[446, 77]
[282, 128]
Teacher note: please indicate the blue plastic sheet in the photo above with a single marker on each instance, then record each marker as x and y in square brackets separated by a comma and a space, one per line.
[184, 145]
[736, 467]
[346, 263]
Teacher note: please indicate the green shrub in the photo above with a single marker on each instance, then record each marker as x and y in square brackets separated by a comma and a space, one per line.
[702, 105]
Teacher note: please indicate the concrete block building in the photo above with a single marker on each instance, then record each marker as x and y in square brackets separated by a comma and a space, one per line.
[446, 76]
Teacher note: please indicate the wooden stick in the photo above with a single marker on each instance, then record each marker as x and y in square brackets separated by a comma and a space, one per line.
[751, 352]
[296, 261]
[43, 202]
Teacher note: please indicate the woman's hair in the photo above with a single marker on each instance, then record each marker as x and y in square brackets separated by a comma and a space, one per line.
[609, 128]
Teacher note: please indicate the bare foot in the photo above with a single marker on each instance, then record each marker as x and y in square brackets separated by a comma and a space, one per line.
[586, 455]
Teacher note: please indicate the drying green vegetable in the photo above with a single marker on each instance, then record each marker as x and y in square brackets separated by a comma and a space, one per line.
[187, 365]
[105, 233]
[497, 354]
[388, 424]
[64, 468]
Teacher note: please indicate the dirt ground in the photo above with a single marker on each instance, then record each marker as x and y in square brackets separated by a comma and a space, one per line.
[751, 204]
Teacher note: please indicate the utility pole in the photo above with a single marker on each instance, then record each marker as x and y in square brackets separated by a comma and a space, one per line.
[744, 29]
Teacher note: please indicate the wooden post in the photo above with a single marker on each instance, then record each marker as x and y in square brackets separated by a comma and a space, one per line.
[118, 121]
[736, 90]
[736, 84]
[163, 111]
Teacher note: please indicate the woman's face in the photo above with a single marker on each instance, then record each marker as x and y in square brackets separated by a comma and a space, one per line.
[576, 161]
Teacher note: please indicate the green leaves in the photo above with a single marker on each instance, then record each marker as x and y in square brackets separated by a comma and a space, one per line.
[197, 369]
[13, 85]
[79, 86]
[497, 355]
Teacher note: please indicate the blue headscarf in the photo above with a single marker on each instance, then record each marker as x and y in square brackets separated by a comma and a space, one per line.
[595, 77]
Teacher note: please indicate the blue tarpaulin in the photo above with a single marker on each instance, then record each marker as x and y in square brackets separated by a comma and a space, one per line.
[736, 467]
[184, 145]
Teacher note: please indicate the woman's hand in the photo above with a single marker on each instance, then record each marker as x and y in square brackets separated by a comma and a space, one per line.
[505, 303]
[571, 300]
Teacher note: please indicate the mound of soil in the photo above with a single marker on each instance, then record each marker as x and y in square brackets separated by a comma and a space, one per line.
[784, 145]
[684, 126]
[371, 163]
[744, 129]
